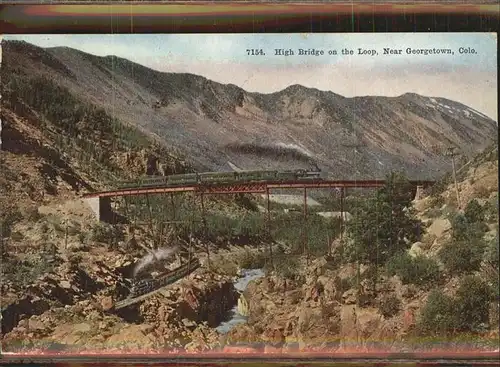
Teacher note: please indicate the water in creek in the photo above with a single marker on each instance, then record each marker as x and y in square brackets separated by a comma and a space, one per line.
[241, 284]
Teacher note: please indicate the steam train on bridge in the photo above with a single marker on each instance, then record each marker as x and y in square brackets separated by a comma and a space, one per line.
[218, 178]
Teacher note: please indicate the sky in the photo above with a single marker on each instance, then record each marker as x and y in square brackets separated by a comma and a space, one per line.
[469, 78]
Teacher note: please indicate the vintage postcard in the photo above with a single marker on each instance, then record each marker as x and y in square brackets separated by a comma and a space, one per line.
[249, 193]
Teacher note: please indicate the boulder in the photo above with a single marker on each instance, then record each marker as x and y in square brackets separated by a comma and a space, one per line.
[416, 249]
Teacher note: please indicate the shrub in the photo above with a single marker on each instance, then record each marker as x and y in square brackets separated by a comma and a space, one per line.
[389, 306]
[461, 256]
[436, 202]
[383, 224]
[7, 220]
[25, 272]
[252, 260]
[400, 265]
[474, 212]
[246, 202]
[492, 252]
[438, 315]
[492, 265]
[106, 233]
[222, 266]
[289, 228]
[419, 270]
[463, 229]
[286, 266]
[472, 303]
[491, 210]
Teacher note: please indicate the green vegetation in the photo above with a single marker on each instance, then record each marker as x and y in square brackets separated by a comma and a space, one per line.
[106, 233]
[75, 125]
[285, 266]
[474, 212]
[328, 203]
[289, 228]
[491, 210]
[467, 311]
[23, 272]
[419, 270]
[491, 261]
[462, 257]
[439, 187]
[384, 224]
[472, 299]
[253, 260]
[464, 252]
[7, 220]
[492, 252]
[183, 213]
[438, 316]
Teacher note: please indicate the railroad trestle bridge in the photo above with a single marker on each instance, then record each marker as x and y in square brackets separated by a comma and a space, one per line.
[101, 205]
[100, 202]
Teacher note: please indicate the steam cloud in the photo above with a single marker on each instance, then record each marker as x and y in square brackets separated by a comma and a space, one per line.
[277, 151]
[296, 148]
[150, 258]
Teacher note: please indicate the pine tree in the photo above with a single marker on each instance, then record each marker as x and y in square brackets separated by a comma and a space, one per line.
[385, 223]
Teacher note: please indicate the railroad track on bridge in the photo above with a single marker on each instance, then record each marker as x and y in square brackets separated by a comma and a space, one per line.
[154, 286]
[248, 187]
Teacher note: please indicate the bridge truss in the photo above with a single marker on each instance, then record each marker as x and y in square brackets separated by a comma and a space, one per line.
[199, 192]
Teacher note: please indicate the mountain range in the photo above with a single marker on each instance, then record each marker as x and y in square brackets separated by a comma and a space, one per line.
[222, 127]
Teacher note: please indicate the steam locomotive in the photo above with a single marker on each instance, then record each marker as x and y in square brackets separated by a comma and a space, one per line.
[149, 284]
[216, 178]
[141, 287]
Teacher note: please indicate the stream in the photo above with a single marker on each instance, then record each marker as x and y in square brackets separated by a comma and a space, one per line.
[234, 318]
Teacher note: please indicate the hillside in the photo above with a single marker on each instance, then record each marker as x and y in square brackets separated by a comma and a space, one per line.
[59, 264]
[441, 292]
[220, 126]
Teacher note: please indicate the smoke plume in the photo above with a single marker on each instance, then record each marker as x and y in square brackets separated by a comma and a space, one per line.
[152, 257]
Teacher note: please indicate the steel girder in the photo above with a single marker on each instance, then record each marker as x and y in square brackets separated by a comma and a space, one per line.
[233, 189]
[250, 187]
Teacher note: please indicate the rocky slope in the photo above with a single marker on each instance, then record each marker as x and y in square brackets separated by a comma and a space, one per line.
[221, 126]
[318, 307]
[59, 264]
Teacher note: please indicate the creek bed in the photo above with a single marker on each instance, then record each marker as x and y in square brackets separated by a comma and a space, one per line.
[234, 318]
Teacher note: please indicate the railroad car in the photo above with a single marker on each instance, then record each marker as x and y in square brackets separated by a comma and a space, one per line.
[216, 177]
[309, 176]
[286, 176]
[155, 181]
[184, 179]
[143, 182]
[256, 176]
[128, 184]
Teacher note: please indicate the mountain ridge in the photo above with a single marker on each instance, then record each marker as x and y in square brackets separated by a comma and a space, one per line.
[207, 120]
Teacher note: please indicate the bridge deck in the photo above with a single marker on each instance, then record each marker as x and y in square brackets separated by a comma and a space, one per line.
[250, 187]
